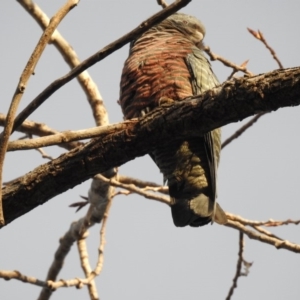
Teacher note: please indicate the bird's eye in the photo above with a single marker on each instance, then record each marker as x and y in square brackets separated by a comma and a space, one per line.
[185, 22]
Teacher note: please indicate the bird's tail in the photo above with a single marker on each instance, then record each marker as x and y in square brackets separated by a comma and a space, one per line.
[197, 212]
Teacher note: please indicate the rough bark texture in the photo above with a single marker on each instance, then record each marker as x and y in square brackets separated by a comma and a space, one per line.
[231, 102]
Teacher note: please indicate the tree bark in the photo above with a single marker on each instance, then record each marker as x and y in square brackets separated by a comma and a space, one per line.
[231, 102]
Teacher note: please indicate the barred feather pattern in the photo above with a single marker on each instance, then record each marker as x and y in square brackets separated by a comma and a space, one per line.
[167, 63]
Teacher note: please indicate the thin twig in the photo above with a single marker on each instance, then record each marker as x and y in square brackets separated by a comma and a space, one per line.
[259, 36]
[139, 183]
[162, 3]
[277, 243]
[85, 265]
[266, 232]
[8, 275]
[241, 130]
[134, 189]
[100, 55]
[122, 192]
[64, 137]
[99, 264]
[44, 154]
[234, 71]
[40, 150]
[272, 223]
[39, 129]
[239, 266]
[268, 223]
[29, 69]
[65, 244]
[226, 62]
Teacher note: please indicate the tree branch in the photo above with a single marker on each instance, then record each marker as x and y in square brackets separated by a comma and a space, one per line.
[118, 144]
[40, 129]
[271, 240]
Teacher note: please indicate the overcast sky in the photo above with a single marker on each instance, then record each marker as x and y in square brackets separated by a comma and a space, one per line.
[146, 256]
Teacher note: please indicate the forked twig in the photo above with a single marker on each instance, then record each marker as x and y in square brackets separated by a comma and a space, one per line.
[259, 36]
[242, 65]
[227, 62]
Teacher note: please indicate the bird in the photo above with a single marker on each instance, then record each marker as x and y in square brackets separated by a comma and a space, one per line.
[167, 64]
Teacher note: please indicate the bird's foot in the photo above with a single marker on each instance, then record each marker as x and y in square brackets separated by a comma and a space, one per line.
[165, 102]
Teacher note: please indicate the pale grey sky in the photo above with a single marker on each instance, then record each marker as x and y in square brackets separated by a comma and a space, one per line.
[146, 256]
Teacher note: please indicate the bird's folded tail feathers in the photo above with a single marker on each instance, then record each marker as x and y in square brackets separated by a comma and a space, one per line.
[203, 207]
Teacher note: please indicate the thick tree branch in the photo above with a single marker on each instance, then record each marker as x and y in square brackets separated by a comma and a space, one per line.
[231, 102]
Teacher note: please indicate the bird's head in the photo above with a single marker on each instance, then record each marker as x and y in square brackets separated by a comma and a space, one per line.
[188, 25]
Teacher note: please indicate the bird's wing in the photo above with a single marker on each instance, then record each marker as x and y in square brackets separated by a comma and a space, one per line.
[202, 79]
